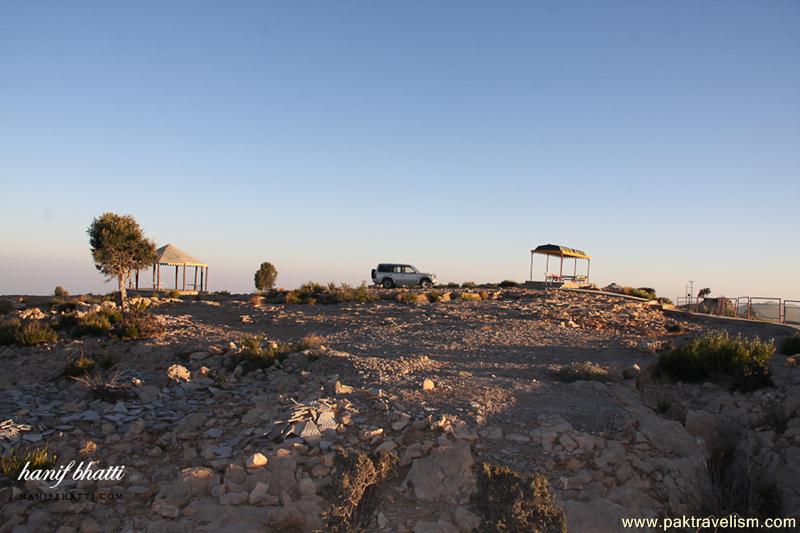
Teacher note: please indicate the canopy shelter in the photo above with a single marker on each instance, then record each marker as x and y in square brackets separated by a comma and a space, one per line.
[172, 256]
[561, 252]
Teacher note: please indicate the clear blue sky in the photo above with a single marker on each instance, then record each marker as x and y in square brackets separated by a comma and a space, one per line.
[661, 137]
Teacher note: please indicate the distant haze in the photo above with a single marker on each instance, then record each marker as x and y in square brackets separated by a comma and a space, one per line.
[661, 138]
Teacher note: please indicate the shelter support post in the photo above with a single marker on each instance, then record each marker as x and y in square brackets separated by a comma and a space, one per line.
[184, 277]
[531, 275]
[176, 277]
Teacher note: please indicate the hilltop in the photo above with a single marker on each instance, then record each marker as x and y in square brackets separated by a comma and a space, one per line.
[244, 417]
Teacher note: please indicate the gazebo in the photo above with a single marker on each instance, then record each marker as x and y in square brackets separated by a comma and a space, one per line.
[561, 252]
[172, 256]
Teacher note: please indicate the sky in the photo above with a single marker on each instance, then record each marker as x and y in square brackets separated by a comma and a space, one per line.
[663, 138]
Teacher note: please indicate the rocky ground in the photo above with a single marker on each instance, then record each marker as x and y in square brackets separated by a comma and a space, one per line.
[209, 446]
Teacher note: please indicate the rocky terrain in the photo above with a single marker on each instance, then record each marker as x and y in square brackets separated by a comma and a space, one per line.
[212, 444]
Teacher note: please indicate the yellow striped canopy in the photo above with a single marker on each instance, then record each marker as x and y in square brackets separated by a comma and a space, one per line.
[561, 251]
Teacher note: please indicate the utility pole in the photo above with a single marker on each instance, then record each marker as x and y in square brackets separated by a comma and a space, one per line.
[690, 292]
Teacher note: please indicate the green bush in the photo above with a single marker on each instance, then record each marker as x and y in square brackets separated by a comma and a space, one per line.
[791, 345]
[6, 307]
[138, 324]
[92, 324]
[641, 292]
[508, 502]
[8, 330]
[33, 332]
[508, 283]
[716, 353]
[469, 285]
[255, 356]
[173, 293]
[60, 292]
[312, 293]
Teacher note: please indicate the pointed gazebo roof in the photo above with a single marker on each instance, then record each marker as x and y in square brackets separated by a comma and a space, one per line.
[174, 256]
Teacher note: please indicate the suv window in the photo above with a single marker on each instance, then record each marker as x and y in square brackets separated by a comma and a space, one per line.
[408, 269]
[384, 268]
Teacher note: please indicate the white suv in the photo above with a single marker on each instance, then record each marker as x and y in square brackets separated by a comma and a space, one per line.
[396, 275]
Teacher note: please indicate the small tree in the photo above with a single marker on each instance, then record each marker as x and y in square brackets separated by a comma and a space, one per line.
[119, 246]
[704, 292]
[265, 277]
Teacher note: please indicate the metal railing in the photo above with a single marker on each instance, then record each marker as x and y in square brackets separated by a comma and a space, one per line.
[765, 308]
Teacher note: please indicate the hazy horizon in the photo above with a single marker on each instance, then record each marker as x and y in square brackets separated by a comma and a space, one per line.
[662, 139]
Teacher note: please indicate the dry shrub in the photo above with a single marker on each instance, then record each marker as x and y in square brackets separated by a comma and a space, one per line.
[469, 296]
[412, 297]
[108, 390]
[355, 490]
[256, 300]
[12, 464]
[438, 296]
[78, 366]
[311, 340]
[508, 502]
[585, 371]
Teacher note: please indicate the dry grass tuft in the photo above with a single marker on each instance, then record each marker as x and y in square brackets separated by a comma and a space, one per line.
[12, 464]
[585, 371]
[355, 490]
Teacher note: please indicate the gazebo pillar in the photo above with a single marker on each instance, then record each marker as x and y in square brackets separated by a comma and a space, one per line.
[184, 277]
[531, 275]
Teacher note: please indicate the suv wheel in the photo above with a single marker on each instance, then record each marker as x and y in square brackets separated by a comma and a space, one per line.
[387, 283]
[426, 283]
